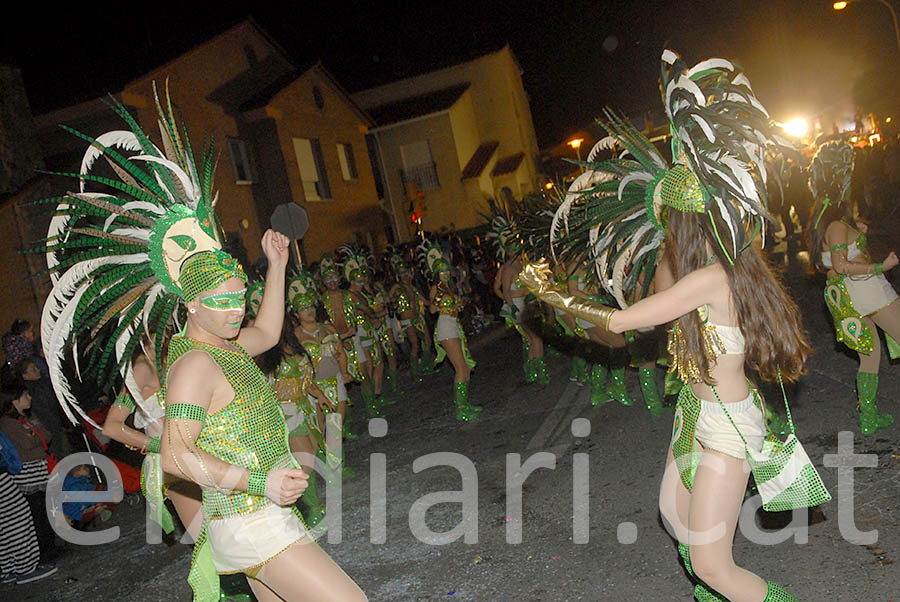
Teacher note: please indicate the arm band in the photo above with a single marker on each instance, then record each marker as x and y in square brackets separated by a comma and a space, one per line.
[256, 483]
[124, 399]
[879, 269]
[837, 247]
[186, 411]
[153, 446]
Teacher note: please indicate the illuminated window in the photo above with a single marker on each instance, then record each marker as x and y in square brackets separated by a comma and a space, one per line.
[348, 161]
[312, 169]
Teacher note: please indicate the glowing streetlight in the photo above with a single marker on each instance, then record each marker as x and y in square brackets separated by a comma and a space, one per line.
[576, 144]
[797, 127]
[888, 119]
[842, 4]
[548, 186]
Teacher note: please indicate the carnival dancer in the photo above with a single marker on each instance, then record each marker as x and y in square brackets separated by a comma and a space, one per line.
[729, 308]
[506, 286]
[321, 344]
[860, 298]
[339, 307]
[156, 486]
[304, 406]
[160, 250]
[371, 363]
[448, 332]
[410, 312]
[379, 301]
[255, 290]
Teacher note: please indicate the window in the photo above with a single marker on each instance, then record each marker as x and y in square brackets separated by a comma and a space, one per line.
[348, 162]
[240, 163]
[312, 169]
[419, 166]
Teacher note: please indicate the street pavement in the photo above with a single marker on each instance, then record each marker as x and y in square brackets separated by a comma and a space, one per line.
[625, 555]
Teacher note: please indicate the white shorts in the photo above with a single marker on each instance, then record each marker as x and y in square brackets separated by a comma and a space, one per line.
[869, 294]
[447, 328]
[244, 542]
[715, 431]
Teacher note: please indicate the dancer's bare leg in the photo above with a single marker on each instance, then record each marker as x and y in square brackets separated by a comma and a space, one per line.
[453, 347]
[305, 573]
[674, 501]
[888, 319]
[186, 497]
[718, 492]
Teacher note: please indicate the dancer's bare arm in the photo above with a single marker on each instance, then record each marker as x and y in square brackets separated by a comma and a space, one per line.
[266, 330]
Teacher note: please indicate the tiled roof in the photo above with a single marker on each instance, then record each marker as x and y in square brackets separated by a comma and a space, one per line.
[479, 159]
[507, 164]
[418, 106]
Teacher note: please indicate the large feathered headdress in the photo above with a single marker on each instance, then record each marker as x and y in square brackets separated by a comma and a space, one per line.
[117, 249]
[618, 207]
[356, 262]
[431, 258]
[302, 291]
[830, 174]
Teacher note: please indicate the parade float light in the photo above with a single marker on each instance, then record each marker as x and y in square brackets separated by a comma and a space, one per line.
[797, 127]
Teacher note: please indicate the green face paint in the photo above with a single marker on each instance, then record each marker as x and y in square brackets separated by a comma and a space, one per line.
[225, 301]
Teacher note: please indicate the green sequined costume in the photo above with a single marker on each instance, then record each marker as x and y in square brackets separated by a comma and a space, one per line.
[350, 317]
[249, 432]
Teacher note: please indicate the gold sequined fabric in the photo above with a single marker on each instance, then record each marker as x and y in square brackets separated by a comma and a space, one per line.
[447, 302]
[683, 363]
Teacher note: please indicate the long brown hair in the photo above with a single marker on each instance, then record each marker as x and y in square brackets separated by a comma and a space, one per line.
[769, 319]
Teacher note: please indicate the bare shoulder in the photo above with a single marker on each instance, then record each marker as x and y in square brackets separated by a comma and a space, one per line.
[712, 275]
[837, 233]
[330, 327]
[195, 366]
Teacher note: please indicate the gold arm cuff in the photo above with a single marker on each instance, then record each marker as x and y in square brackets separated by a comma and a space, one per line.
[537, 277]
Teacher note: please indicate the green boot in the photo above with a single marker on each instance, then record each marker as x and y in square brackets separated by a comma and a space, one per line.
[390, 380]
[415, 368]
[615, 386]
[579, 372]
[464, 410]
[428, 361]
[869, 418]
[650, 391]
[373, 406]
[315, 511]
[530, 370]
[599, 374]
[541, 378]
[701, 592]
[346, 431]
[776, 593]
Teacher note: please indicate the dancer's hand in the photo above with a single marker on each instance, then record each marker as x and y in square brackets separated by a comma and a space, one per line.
[285, 486]
[275, 246]
[890, 261]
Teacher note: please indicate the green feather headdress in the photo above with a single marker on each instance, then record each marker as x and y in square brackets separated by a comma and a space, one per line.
[431, 258]
[115, 247]
[355, 262]
[328, 268]
[255, 291]
[302, 291]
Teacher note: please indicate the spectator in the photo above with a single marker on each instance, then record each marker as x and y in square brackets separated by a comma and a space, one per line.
[19, 550]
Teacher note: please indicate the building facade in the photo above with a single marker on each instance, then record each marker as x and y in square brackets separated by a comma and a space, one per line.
[448, 140]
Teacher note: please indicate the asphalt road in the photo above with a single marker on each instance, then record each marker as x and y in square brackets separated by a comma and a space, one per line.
[623, 553]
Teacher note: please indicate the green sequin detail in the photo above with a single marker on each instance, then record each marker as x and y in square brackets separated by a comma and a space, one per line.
[849, 327]
[185, 411]
[207, 271]
[124, 399]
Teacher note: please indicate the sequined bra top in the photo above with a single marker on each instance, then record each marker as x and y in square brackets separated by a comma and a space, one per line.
[407, 299]
[447, 302]
[249, 432]
[346, 306]
[318, 350]
[731, 337]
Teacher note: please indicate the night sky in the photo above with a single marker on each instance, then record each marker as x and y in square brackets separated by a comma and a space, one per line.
[803, 58]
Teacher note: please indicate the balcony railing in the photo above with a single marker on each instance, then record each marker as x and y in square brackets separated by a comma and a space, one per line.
[425, 176]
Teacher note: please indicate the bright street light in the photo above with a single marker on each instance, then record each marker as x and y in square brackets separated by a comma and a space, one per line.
[797, 127]
[575, 143]
[842, 4]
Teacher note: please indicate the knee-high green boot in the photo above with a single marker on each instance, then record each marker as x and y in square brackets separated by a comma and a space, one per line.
[701, 592]
[415, 368]
[599, 395]
[650, 391]
[427, 361]
[869, 418]
[541, 376]
[530, 370]
[373, 406]
[776, 593]
[464, 410]
[393, 389]
[315, 511]
[615, 386]
[579, 372]
[346, 428]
